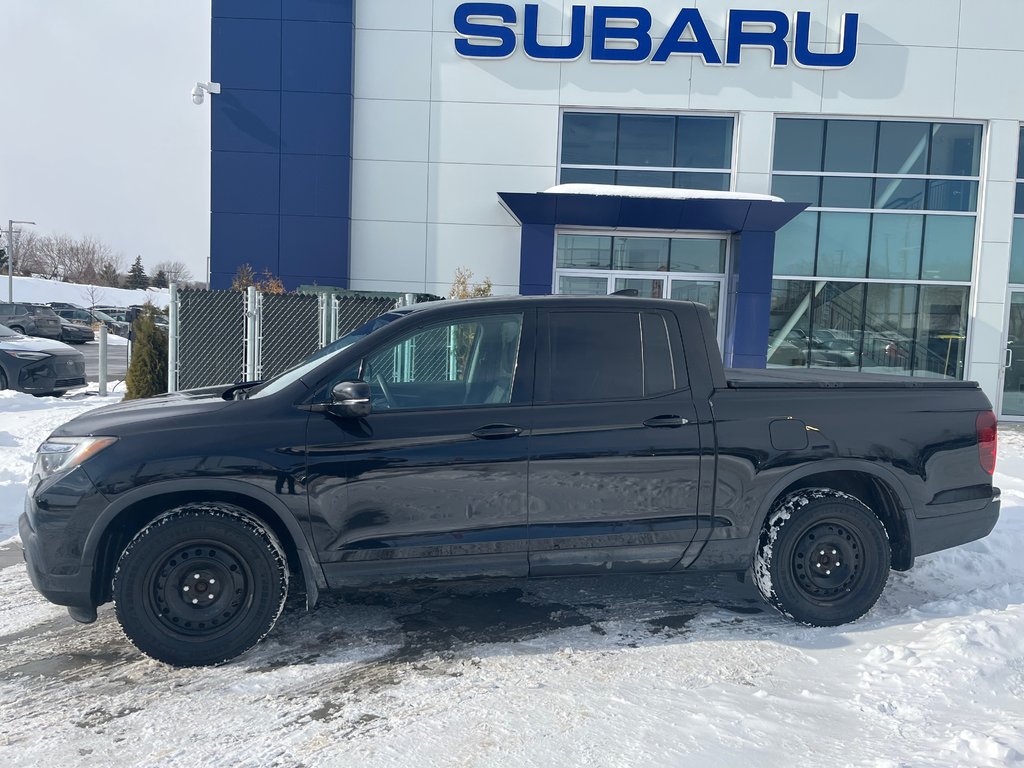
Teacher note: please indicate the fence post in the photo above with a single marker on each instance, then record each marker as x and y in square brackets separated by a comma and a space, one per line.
[103, 360]
[322, 300]
[249, 373]
[172, 340]
[335, 306]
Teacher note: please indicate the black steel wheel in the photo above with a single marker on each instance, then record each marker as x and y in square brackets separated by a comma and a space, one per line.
[823, 557]
[200, 585]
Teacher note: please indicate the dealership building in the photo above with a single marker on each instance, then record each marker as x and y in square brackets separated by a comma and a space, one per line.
[839, 182]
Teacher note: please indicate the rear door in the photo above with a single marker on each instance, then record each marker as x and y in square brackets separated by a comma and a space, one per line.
[615, 453]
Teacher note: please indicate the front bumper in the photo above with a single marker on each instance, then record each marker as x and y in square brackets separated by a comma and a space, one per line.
[933, 534]
[59, 515]
[57, 373]
[71, 589]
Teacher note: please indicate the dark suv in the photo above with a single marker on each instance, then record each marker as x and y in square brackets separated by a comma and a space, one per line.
[30, 319]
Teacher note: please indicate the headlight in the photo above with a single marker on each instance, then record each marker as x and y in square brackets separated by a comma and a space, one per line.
[59, 454]
[27, 355]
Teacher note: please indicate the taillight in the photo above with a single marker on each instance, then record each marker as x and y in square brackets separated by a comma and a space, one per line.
[987, 440]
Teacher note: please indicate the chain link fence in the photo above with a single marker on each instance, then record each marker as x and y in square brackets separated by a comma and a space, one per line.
[211, 333]
[222, 337]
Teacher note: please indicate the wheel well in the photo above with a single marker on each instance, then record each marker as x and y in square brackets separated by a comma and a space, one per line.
[132, 519]
[878, 496]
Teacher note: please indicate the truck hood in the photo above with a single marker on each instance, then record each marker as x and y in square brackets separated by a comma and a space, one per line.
[150, 413]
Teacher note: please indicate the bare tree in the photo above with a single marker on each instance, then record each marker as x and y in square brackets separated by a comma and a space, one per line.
[176, 271]
[62, 257]
[93, 295]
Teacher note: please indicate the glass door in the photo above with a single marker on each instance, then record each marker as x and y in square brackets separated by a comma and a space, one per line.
[1013, 371]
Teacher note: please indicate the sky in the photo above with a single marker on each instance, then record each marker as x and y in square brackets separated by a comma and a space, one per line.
[98, 132]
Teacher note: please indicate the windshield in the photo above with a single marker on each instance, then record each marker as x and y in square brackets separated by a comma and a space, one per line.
[101, 315]
[294, 374]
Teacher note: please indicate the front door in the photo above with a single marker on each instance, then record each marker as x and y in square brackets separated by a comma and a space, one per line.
[432, 484]
[1013, 364]
[615, 452]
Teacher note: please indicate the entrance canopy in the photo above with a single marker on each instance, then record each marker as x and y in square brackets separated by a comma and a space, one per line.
[751, 219]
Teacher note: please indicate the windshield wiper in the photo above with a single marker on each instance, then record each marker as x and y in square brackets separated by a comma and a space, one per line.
[239, 391]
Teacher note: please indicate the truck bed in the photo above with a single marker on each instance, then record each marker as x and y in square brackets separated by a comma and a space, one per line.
[795, 378]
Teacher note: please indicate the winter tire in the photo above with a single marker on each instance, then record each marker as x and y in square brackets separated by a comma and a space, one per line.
[18, 329]
[200, 585]
[823, 557]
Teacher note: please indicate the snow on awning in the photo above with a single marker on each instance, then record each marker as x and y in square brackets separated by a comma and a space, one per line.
[656, 193]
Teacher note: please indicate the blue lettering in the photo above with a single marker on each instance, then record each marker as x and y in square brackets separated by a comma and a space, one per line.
[701, 44]
[577, 39]
[802, 52]
[640, 34]
[502, 35]
[774, 38]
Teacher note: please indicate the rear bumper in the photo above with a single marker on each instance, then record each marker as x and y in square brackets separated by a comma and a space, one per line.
[934, 534]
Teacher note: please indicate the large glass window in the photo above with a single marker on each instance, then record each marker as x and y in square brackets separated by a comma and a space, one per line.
[860, 172]
[683, 151]
[1017, 253]
[875, 275]
[682, 268]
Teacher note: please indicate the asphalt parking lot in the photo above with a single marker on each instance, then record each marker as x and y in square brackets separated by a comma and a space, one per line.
[117, 361]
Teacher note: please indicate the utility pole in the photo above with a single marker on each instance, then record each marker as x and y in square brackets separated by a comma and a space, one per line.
[10, 255]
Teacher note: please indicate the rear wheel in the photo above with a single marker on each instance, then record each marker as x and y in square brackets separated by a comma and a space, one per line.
[18, 329]
[200, 585]
[823, 557]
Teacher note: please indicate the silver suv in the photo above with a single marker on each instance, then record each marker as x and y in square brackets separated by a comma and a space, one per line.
[30, 319]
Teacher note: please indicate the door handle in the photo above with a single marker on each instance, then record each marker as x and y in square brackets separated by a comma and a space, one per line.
[666, 421]
[1009, 357]
[497, 432]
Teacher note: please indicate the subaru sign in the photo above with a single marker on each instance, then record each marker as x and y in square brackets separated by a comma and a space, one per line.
[623, 34]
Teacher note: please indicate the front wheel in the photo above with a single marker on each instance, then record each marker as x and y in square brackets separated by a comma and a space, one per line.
[823, 557]
[200, 585]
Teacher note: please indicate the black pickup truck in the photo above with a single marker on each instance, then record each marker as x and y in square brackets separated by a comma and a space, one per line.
[507, 437]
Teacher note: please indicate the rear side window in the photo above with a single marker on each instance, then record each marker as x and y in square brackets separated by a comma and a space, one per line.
[659, 368]
[593, 356]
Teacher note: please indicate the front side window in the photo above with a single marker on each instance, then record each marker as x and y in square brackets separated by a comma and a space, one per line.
[469, 361]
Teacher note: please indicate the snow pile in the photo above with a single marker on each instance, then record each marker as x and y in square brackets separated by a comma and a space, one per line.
[25, 421]
[623, 670]
[37, 290]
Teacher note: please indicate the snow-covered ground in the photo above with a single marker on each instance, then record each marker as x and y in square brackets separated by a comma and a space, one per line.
[598, 672]
[40, 291]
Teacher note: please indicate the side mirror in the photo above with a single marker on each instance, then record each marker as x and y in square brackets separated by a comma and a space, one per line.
[351, 399]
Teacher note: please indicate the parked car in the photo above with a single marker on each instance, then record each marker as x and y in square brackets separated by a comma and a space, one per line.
[30, 319]
[38, 366]
[91, 316]
[73, 333]
[523, 436]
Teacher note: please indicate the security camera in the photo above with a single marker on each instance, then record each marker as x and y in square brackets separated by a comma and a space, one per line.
[201, 89]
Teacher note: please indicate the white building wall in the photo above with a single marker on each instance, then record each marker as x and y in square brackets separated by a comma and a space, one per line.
[437, 136]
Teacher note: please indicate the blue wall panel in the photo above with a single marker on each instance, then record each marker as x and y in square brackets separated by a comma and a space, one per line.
[319, 10]
[314, 245]
[242, 238]
[247, 53]
[245, 121]
[316, 56]
[247, 9]
[315, 185]
[316, 123]
[245, 182]
[281, 135]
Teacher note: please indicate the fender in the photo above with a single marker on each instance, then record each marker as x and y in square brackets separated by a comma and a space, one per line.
[311, 570]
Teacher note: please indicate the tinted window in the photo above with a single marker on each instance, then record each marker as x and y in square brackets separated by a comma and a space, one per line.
[593, 356]
[798, 144]
[464, 362]
[589, 139]
[659, 376]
